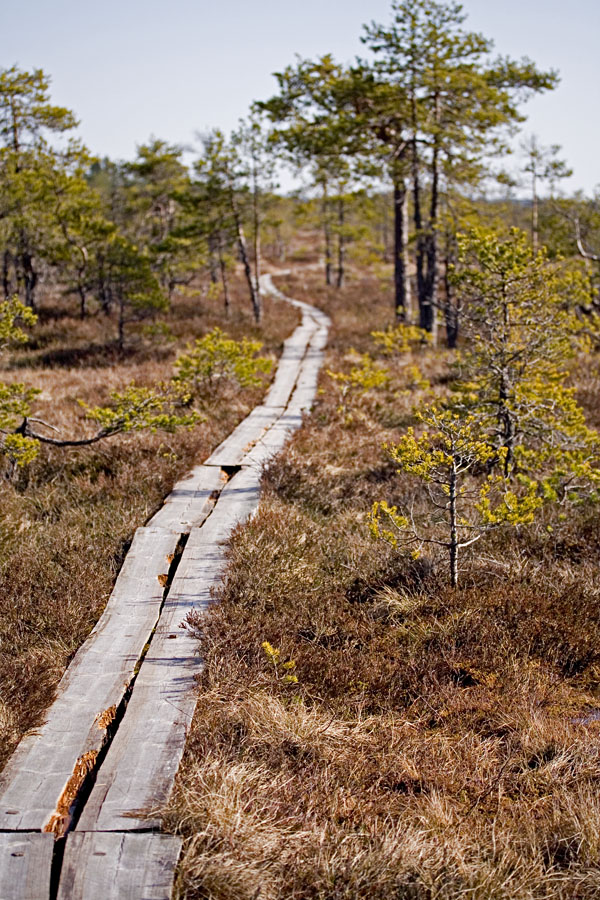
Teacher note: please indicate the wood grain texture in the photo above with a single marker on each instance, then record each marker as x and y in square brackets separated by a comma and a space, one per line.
[119, 866]
[191, 500]
[46, 763]
[25, 866]
[233, 449]
[137, 775]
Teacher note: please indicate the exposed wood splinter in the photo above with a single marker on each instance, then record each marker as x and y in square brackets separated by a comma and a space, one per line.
[61, 819]
[106, 718]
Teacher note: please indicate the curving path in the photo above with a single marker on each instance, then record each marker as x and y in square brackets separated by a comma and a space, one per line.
[80, 798]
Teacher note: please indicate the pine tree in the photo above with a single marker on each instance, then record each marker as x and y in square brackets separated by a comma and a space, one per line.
[520, 329]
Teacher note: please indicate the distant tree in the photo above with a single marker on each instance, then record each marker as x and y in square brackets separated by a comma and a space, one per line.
[130, 283]
[542, 164]
[28, 165]
[314, 132]
[256, 177]
[456, 104]
[223, 174]
[156, 184]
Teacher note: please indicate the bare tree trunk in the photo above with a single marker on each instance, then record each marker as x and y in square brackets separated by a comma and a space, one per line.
[82, 300]
[431, 277]
[420, 244]
[453, 533]
[224, 279]
[385, 230]
[255, 298]
[535, 235]
[451, 309]
[6, 279]
[29, 277]
[326, 234]
[402, 289]
[341, 244]
[256, 230]
[279, 244]
[213, 267]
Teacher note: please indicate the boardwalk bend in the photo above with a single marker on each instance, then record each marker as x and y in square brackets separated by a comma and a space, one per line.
[80, 798]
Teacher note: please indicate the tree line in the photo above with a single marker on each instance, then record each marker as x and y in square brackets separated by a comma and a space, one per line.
[408, 137]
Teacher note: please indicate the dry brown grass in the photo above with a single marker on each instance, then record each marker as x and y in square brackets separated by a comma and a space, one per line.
[68, 520]
[438, 743]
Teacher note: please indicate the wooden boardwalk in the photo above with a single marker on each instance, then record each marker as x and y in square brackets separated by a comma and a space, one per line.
[80, 799]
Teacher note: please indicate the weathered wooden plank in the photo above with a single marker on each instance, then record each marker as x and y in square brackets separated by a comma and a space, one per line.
[294, 350]
[275, 438]
[25, 866]
[141, 763]
[233, 449]
[45, 773]
[101, 866]
[301, 401]
[306, 386]
[191, 500]
[140, 767]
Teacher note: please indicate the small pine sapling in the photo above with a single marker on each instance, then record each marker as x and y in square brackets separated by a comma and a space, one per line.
[284, 671]
[216, 360]
[520, 328]
[366, 375]
[462, 504]
[401, 339]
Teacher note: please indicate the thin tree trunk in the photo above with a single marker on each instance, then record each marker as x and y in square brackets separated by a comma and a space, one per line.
[25, 272]
[402, 290]
[82, 300]
[224, 279]
[385, 229]
[453, 533]
[256, 235]
[30, 278]
[451, 309]
[341, 244]
[534, 214]
[327, 235]
[6, 280]
[420, 247]
[243, 248]
[213, 266]
[505, 419]
[121, 324]
[431, 241]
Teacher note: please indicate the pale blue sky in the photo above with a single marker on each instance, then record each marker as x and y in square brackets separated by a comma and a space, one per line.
[131, 68]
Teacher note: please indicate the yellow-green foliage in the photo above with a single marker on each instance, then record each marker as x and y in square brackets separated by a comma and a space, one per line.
[15, 399]
[134, 409]
[284, 671]
[511, 435]
[14, 316]
[415, 380]
[216, 359]
[139, 408]
[362, 377]
[521, 327]
[449, 455]
[401, 338]
[15, 405]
